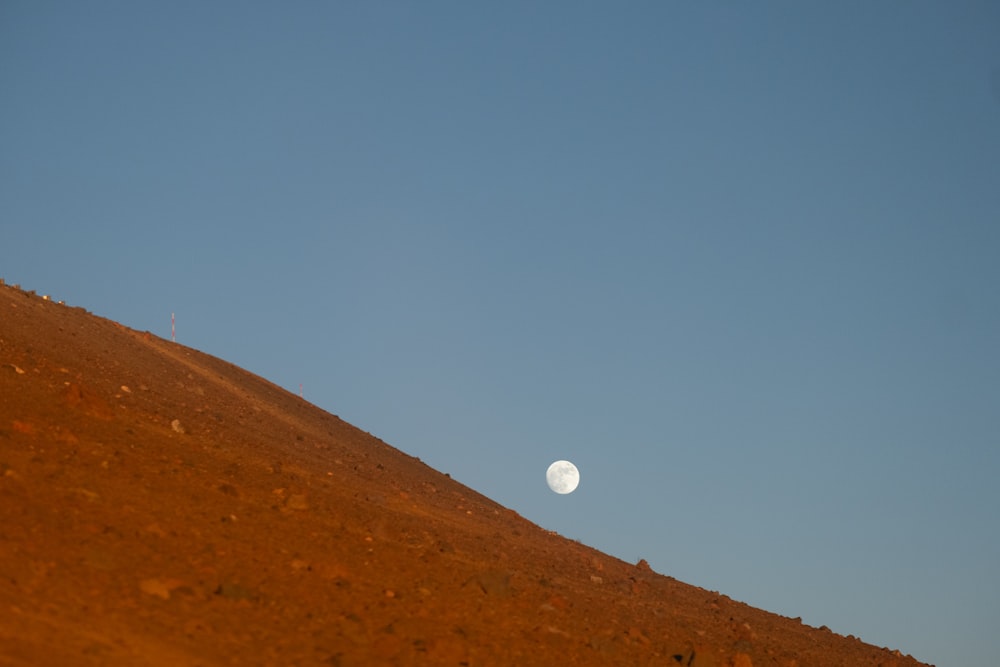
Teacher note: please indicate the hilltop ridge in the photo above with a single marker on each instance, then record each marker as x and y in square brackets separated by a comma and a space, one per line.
[161, 506]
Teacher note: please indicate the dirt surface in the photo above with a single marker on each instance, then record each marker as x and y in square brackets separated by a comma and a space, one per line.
[159, 506]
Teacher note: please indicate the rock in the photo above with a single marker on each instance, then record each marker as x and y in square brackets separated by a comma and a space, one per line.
[492, 582]
[155, 529]
[86, 493]
[602, 643]
[297, 501]
[64, 435]
[177, 426]
[232, 591]
[27, 428]
[636, 636]
[693, 656]
[159, 587]
[87, 401]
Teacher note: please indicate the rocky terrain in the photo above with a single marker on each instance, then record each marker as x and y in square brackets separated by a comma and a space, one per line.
[159, 506]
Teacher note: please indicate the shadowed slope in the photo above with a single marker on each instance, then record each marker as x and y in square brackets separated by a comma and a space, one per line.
[159, 506]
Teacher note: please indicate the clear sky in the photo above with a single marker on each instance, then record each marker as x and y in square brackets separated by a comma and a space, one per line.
[740, 262]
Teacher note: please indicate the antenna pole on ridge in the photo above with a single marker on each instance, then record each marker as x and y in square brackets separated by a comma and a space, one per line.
[173, 329]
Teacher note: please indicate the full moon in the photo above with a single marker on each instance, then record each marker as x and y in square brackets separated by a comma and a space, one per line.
[562, 477]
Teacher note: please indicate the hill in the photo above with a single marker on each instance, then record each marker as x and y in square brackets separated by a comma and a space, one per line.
[159, 506]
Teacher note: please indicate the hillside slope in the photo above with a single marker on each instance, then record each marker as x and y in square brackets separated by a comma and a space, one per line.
[159, 506]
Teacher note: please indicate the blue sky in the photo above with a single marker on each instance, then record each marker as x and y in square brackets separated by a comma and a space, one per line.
[738, 263]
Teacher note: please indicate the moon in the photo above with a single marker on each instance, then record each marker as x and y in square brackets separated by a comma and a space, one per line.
[562, 477]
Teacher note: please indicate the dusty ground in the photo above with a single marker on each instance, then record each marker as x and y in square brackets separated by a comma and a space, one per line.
[159, 506]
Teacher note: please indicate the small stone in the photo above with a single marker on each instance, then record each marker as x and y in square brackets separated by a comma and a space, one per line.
[159, 587]
[126, 389]
[297, 501]
[493, 583]
[232, 591]
[636, 636]
[26, 428]
[155, 529]
[602, 644]
[87, 493]
[177, 426]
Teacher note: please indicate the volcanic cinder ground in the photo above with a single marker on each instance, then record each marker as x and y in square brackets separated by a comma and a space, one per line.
[159, 506]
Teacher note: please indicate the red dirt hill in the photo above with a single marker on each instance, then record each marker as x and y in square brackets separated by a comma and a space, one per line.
[159, 506]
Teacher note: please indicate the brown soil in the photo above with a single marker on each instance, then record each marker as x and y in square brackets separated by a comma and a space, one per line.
[159, 506]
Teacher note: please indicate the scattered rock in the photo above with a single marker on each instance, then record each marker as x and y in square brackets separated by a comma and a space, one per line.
[303, 586]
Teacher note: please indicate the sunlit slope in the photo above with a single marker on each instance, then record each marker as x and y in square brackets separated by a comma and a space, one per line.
[159, 506]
